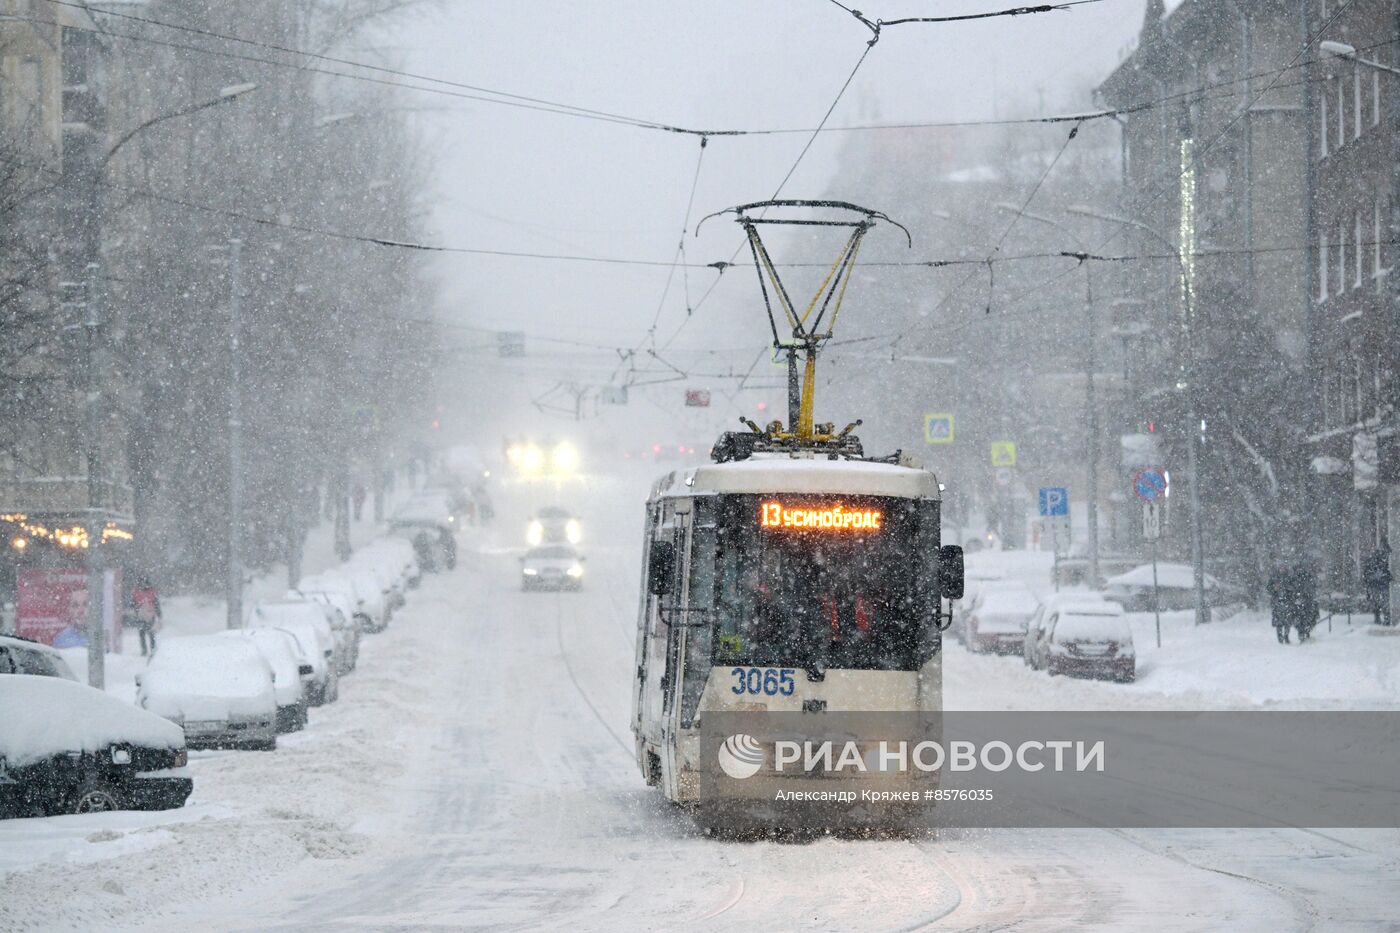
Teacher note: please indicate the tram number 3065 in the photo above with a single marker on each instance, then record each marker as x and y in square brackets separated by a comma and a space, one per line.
[768, 682]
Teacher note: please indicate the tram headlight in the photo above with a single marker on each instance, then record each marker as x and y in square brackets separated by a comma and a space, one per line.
[532, 459]
[573, 531]
[534, 533]
[575, 571]
[565, 458]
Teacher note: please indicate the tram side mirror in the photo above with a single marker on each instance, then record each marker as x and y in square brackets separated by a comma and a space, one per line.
[950, 571]
[661, 567]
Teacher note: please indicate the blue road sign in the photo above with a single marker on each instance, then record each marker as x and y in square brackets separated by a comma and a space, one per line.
[1054, 501]
[1150, 485]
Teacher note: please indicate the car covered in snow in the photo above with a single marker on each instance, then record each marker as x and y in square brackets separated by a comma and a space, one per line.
[221, 691]
[340, 612]
[1176, 589]
[998, 619]
[1091, 640]
[1035, 628]
[22, 656]
[67, 748]
[551, 567]
[306, 622]
[430, 528]
[283, 655]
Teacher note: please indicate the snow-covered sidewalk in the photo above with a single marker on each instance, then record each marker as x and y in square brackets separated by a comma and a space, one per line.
[1232, 662]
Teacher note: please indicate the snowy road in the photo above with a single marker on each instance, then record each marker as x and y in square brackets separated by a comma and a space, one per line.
[479, 773]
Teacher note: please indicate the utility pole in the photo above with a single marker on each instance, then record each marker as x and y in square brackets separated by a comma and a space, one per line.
[235, 438]
[96, 571]
[1090, 395]
[1188, 383]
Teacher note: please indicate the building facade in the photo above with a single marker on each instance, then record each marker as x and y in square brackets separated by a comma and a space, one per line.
[1354, 106]
[1215, 200]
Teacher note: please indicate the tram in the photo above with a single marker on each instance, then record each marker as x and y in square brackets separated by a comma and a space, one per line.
[792, 576]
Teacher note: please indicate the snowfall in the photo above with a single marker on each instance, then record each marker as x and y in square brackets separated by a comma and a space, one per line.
[478, 772]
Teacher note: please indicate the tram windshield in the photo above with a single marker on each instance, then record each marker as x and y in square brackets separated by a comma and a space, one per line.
[825, 583]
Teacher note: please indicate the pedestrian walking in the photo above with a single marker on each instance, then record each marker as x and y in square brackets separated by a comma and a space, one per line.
[359, 495]
[1304, 602]
[145, 609]
[1376, 577]
[1280, 601]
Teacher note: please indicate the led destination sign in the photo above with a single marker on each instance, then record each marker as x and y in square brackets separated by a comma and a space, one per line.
[835, 518]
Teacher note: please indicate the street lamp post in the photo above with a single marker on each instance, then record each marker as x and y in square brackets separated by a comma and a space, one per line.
[1090, 400]
[1193, 415]
[95, 363]
[234, 595]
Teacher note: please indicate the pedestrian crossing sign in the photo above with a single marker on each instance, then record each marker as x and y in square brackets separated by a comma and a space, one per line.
[938, 428]
[1003, 453]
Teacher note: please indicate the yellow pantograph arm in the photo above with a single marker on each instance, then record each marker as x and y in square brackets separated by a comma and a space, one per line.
[821, 289]
[831, 325]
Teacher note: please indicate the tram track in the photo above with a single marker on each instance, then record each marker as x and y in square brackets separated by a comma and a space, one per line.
[573, 677]
[1304, 910]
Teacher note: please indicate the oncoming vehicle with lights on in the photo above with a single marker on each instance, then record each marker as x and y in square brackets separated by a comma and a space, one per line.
[543, 460]
[794, 574]
[552, 567]
[553, 525]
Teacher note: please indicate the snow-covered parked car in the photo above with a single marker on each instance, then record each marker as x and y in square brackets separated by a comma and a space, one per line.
[341, 585]
[22, 656]
[397, 554]
[998, 620]
[1049, 606]
[392, 585]
[220, 690]
[340, 612]
[283, 655]
[1176, 589]
[430, 527]
[317, 640]
[67, 748]
[1087, 639]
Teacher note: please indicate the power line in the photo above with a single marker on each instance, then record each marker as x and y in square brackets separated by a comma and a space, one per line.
[455, 89]
[779, 190]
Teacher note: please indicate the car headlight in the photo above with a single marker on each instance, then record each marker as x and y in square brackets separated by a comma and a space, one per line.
[530, 571]
[565, 458]
[575, 571]
[573, 531]
[534, 533]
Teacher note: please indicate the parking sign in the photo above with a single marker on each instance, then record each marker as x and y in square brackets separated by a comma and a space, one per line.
[1054, 501]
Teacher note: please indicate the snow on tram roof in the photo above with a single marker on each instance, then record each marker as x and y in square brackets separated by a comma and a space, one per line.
[764, 473]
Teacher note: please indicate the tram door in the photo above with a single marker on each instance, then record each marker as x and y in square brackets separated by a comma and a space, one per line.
[657, 653]
[674, 627]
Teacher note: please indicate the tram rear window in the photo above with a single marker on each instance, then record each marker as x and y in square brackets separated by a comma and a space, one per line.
[837, 582]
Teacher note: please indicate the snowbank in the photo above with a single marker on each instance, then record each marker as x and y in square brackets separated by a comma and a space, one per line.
[63, 716]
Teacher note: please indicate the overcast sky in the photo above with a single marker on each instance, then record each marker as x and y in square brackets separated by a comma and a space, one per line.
[522, 180]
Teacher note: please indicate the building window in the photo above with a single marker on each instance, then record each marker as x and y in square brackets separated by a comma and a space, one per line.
[1341, 256]
[1356, 102]
[1322, 108]
[1322, 247]
[1379, 235]
[1341, 113]
[1375, 97]
[1360, 253]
